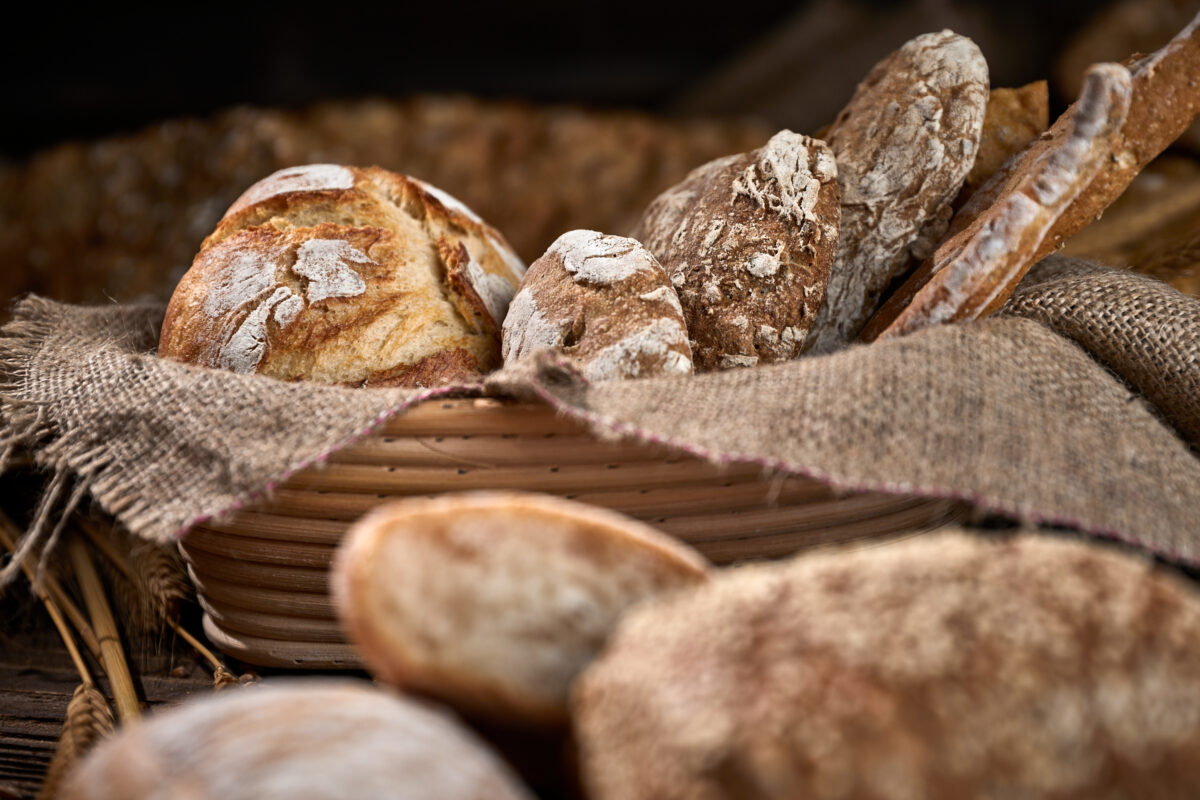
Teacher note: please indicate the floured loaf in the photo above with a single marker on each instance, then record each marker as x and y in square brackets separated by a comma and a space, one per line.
[348, 276]
[606, 303]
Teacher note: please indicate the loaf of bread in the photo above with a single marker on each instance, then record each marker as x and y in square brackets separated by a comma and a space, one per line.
[295, 740]
[342, 275]
[493, 602]
[904, 144]
[943, 666]
[748, 242]
[606, 303]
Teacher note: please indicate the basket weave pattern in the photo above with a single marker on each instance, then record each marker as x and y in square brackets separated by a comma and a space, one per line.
[261, 574]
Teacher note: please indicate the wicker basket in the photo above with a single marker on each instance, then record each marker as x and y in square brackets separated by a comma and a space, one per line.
[261, 575]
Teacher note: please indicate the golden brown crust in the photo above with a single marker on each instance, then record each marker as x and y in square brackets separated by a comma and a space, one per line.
[448, 366]
[349, 276]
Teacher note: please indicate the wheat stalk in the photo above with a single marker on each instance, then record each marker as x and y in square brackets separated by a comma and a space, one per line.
[165, 589]
[89, 720]
[49, 590]
[148, 581]
[88, 717]
[111, 654]
[163, 577]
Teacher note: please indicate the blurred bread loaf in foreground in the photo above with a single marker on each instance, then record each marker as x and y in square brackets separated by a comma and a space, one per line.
[344, 275]
[606, 303]
[294, 740]
[943, 666]
[123, 217]
[494, 601]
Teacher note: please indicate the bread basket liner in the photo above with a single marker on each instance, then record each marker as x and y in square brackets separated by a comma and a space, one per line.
[1079, 406]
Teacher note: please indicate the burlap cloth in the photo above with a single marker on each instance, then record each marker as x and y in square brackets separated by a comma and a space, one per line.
[1079, 405]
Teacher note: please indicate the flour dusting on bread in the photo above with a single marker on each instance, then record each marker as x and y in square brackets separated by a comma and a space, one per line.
[604, 302]
[652, 344]
[593, 257]
[251, 274]
[245, 349]
[495, 292]
[325, 263]
[378, 280]
[307, 178]
[527, 329]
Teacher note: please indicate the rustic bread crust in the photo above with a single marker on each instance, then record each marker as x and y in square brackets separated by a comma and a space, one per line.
[904, 144]
[748, 241]
[300, 739]
[973, 273]
[494, 601]
[348, 276]
[939, 667]
[606, 303]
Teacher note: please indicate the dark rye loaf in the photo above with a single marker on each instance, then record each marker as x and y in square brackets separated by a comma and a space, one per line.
[748, 241]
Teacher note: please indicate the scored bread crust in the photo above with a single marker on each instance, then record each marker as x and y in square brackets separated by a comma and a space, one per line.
[606, 303]
[345, 275]
[493, 601]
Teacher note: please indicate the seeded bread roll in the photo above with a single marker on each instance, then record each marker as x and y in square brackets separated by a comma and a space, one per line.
[748, 241]
[294, 739]
[494, 601]
[604, 301]
[344, 275]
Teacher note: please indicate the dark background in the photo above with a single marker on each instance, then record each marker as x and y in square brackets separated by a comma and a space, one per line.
[93, 75]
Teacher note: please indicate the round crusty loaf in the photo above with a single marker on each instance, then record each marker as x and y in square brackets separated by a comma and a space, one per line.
[938, 667]
[299, 740]
[605, 302]
[493, 602]
[347, 276]
[748, 241]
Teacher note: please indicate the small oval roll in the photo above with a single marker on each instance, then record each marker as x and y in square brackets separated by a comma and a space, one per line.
[345, 275]
[294, 740]
[606, 303]
[493, 602]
